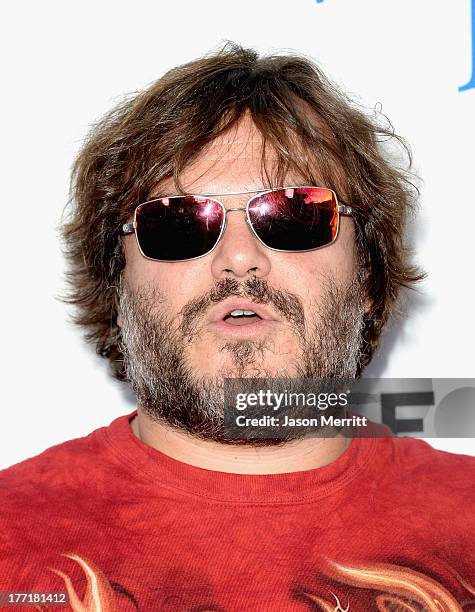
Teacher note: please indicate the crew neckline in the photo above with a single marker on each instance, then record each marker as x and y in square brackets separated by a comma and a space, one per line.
[284, 488]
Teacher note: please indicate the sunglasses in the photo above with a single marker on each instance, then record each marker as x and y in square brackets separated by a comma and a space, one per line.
[289, 219]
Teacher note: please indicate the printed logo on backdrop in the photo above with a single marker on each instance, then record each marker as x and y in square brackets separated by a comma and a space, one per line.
[471, 82]
[425, 407]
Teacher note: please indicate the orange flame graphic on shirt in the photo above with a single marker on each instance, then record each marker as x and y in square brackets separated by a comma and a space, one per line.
[326, 606]
[99, 596]
[400, 589]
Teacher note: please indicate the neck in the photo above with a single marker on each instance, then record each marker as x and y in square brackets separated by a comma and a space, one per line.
[294, 456]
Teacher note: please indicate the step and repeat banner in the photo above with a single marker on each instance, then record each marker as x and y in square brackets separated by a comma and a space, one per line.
[66, 64]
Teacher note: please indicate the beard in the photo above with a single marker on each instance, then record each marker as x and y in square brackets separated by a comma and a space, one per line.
[154, 346]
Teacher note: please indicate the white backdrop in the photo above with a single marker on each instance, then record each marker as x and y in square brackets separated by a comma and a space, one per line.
[65, 64]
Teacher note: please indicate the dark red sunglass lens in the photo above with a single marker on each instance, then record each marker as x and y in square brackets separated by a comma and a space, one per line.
[179, 227]
[295, 219]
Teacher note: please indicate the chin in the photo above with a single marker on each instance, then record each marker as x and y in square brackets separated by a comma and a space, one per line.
[245, 360]
[256, 370]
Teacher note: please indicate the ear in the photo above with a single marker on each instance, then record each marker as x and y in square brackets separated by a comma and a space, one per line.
[363, 270]
[368, 306]
[117, 308]
[365, 277]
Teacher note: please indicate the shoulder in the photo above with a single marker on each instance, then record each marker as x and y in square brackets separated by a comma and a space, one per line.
[48, 498]
[59, 470]
[422, 467]
[419, 452]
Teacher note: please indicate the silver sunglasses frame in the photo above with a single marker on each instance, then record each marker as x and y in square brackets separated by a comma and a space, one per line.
[342, 209]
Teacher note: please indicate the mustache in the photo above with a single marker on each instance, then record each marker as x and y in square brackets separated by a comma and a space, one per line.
[256, 289]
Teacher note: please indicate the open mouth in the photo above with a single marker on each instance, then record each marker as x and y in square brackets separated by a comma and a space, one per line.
[241, 317]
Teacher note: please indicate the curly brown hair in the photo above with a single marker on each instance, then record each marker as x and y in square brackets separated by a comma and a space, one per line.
[155, 134]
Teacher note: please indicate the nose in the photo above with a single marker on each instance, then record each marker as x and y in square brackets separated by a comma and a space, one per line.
[239, 254]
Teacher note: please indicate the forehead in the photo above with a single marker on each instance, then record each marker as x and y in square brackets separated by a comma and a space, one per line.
[231, 163]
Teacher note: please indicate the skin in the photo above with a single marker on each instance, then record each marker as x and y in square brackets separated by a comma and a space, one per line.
[232, 163]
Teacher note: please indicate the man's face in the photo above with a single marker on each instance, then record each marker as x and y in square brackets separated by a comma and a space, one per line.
[308, 301]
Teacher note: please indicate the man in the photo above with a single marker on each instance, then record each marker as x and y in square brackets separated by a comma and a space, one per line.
[237, 219]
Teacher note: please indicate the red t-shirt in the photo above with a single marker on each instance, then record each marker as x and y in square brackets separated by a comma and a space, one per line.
[120, 526]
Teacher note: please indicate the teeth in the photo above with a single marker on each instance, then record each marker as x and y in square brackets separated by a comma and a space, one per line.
[240, 313]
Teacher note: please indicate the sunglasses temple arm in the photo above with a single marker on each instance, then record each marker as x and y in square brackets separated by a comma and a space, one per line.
[128, 228]
[343, 209]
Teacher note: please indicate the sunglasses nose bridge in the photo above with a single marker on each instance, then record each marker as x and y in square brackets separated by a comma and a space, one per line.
[234, 209]
[226, 210]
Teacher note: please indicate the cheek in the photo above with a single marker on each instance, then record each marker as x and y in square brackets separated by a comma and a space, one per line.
[305, 273]
[177, 282]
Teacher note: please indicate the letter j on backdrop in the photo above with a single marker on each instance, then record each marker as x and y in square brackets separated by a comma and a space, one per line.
[471, 82]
